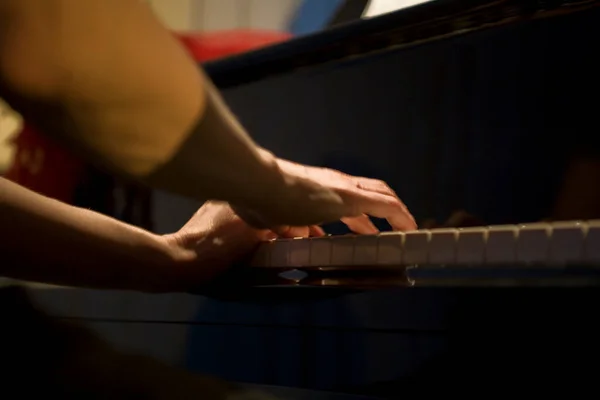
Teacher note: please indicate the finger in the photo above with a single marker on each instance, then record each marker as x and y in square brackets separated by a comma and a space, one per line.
[316, 231]
[300, 232]
[378, 186]
[361, 225]
[390, 208]
[269, 235]
[282, 231]
[290, 232]
[374, 185]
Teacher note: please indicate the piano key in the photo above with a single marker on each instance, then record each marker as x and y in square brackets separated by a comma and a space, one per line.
[280, 251]
[416, 247]
[390, 248]
[320, 251]
[342, 250]
[501, 244]
[567, 242]
[262, 255]
[592, 242]
[533, 243]
[365, 250]
[299, 252]
[442, 246]
[471, 245]
[537, 243]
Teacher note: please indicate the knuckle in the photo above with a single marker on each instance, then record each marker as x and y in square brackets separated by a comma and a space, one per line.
[360, 185]
[384, 186]
[394, 202]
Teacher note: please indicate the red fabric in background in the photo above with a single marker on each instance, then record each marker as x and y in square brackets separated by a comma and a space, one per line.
[210, 46]
[47, 168]
[43, 166]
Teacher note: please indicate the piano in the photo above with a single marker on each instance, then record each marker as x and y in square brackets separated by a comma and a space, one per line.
[560, 253]
[458, 104]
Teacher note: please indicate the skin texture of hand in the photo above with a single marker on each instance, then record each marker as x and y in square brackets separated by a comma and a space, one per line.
[213, 240]
[313, 195]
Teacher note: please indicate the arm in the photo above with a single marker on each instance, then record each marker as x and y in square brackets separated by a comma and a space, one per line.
[107, 79]
[47, 241]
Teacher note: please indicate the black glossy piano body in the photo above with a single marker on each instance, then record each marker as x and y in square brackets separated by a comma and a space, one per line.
[479, 115]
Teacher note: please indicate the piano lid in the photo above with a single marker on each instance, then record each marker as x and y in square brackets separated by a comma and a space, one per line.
[419, 24]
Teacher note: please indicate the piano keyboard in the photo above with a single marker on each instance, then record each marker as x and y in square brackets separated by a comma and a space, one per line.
[548, 244]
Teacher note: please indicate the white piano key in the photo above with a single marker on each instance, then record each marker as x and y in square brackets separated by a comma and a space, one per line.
[320, 251]
[416, 247]
[501, 244]
[299, 252]
[442, 246]
[505, 244]
[470, 248]
[262, 255]
[533, 243]
[567, 242]
[390, 248]
[592, 242]
[280, 252]
[342, 250]
[365, 250]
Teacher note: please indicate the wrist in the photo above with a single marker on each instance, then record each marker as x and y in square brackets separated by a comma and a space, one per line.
[266, 185]
[180, 257]
[219, 161]
[195, 260]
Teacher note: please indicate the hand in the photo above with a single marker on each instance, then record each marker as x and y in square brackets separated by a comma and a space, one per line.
[310, 195]
[213, 240]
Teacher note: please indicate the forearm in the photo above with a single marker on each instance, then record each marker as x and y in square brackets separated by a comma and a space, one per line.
[107, 79]
[47, 241]
[219, 161]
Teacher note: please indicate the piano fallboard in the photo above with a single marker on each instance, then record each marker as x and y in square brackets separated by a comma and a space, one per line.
[424, 23]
